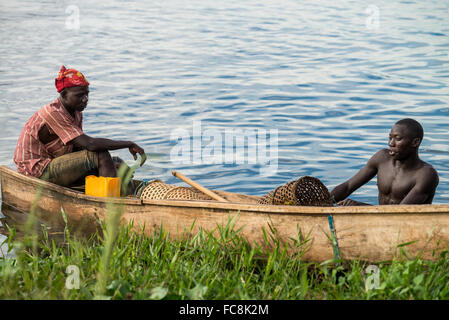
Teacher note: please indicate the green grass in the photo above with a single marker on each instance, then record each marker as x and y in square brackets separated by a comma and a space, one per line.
[124, 265]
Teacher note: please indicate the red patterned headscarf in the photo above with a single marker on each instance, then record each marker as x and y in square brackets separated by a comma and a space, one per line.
[69, 78]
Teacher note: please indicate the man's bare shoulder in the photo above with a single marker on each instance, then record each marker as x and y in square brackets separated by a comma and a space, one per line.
[379, 157]
[427, 171]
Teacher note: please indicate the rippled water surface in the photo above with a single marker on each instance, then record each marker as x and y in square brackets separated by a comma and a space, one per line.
[323, 74]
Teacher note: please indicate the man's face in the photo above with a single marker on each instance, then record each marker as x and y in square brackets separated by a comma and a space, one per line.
[76, 98]
[401, 142]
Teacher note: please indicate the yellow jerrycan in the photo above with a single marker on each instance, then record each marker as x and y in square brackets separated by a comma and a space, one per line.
[102, 186]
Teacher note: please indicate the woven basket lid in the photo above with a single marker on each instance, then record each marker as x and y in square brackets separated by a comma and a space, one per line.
[310, 191]
[184, 193]
[306, 191]
[156, 190]
[159, 190]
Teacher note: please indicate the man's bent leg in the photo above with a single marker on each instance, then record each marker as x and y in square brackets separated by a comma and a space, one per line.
[69, 168]
[130, 188]
[106, 166]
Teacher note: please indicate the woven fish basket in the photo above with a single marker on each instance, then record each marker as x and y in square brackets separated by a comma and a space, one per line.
[285, 195]
[184, 193]
[267, 199]
[159, 190]
[306, 191]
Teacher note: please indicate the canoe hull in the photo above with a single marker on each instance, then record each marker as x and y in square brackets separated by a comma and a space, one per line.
[366, 233]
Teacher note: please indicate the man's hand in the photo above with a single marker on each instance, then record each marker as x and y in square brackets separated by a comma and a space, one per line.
[349, 202]
[135, 149]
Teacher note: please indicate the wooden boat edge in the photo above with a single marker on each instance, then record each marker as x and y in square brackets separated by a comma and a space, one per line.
[256, 208]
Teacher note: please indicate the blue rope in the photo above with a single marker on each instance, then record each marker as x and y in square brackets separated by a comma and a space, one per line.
[334, 237]
[140, 188]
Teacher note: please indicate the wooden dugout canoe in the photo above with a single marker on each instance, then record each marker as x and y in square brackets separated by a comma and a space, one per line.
[370, 233]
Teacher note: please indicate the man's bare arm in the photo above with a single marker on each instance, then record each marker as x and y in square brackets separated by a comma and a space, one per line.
[342, 191]
[102, 144]
[424, 189]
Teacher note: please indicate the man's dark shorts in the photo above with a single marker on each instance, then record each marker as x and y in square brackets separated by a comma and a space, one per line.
[71, 169]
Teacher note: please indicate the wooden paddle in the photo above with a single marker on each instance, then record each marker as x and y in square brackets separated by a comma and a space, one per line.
[198, 186]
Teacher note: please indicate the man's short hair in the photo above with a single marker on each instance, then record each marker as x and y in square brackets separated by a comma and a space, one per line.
[413, 127]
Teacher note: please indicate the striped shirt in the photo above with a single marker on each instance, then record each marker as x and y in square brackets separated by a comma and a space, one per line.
[31, 155]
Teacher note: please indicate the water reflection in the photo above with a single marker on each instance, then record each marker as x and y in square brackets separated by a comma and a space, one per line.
[312, 70]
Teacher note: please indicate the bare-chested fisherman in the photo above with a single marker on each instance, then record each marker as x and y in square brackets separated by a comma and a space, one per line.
[402, 177]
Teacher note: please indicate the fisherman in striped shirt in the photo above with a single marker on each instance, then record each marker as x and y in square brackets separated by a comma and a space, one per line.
[52, 145]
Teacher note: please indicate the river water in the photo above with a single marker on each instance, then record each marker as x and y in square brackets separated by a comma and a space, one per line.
[317, 84]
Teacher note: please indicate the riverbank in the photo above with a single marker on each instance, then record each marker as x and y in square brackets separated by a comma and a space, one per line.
[132, 266]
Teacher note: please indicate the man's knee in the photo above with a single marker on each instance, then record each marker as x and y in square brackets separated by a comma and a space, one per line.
[106, 166]
[92, 160]
[104, 156]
